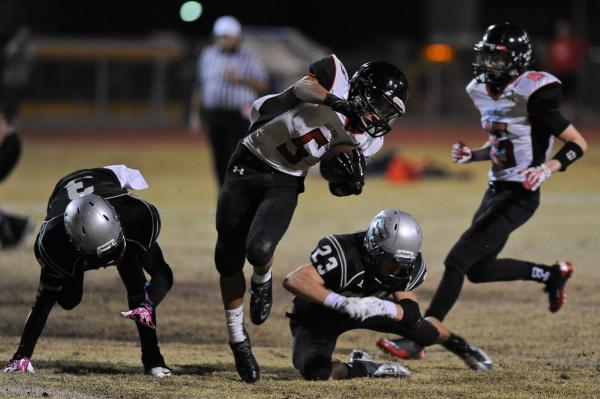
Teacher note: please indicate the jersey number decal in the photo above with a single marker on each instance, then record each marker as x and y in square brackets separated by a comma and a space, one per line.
[299, 143]
[75, 189]
[332, 262]
[503, 152]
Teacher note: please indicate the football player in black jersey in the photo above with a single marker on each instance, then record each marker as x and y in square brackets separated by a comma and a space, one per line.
[93, 222]
[520, 114]
[290, 132]
[364, 280]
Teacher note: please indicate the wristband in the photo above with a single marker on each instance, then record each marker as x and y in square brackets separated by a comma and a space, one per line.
[390, 308]
[334, 300]
[568, 154]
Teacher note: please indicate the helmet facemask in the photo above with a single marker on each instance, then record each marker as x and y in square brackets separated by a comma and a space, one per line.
[492, 66]
[379, 109]
[386, 271]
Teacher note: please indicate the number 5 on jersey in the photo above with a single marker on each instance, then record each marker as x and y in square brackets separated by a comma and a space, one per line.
[318, 257]
[299, 143]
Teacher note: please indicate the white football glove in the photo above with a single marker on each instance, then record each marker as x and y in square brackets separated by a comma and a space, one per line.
[535, 176]
[365, 308]
[22, 365]
[461, 153]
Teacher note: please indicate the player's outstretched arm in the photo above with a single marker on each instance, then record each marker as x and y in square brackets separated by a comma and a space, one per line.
[573, 149]
[20, 362]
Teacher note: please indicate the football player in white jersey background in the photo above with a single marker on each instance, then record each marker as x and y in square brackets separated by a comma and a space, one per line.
[520, 112]
[290, 132]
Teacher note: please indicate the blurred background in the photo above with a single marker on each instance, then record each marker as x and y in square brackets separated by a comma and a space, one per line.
[130, 64]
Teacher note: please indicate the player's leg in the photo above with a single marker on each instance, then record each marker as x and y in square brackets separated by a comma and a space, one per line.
[315, 330]
[270, 223]
[134, 279]
[235, 210]
[500, 213]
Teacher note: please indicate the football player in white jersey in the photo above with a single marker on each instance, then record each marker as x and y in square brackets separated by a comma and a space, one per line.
[520, 113]
[290, 132]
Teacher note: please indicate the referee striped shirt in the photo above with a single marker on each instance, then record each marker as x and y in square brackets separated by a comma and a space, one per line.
[217, 91]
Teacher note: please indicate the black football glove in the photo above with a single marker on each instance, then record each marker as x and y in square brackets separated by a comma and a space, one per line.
[347, 173]
[350, 109]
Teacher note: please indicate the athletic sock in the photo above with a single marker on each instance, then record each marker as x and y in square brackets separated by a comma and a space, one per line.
[541, 273]
[261, 279]
[235, 324]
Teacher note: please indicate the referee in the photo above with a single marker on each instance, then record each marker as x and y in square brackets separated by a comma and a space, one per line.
[229, 77]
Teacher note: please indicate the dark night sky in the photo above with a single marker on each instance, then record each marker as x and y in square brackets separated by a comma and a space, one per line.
[333, 23]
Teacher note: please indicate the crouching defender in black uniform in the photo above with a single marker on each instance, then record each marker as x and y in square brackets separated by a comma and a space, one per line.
[347, 286]
[92, 222]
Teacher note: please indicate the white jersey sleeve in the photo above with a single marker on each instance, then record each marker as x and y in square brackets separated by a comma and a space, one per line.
[129, 178]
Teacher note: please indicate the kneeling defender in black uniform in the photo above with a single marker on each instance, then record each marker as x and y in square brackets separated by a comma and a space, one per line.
[348, 286]
[92, 222]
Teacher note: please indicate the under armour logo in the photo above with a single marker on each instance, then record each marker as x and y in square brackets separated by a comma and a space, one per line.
[239, 171]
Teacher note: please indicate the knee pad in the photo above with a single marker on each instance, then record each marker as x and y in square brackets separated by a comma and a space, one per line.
[228, 261]
[316, 368]
[475, 276]
[69, 302]
[10, 151]
[260, 251]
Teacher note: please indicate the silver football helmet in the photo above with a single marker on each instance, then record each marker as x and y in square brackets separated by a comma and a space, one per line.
[393, 242]
[93, 227]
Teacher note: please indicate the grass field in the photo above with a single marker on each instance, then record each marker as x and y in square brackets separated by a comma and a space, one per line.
[90, 352]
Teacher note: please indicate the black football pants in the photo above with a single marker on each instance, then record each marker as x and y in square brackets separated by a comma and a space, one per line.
[316, 329]
[505, 207]
[255, 208]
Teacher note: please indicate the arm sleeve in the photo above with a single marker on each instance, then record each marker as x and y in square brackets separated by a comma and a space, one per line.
[329, 263]
[542, 107]
[324, 71]
[36, 320]
[129, 178]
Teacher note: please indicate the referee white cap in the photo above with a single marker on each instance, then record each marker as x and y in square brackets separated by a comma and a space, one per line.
[227, 26]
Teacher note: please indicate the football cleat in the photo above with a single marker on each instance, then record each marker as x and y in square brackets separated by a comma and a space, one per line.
[555, 286]
[402, 348]
[472, 355]
[158, 372]
[377, 369]
[245, 362]
[13, 230]
[261, 300]
[22, 365]
[142, 315]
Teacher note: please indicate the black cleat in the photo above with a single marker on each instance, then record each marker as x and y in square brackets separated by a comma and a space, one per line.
[245, 363]
[472, 355]
[261, 301]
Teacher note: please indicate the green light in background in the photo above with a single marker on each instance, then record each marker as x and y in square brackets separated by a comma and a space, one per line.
[190, 11]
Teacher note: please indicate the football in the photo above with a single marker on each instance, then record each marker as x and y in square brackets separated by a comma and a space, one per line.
[330, 167]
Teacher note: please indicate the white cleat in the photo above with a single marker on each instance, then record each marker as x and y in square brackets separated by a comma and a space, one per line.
[159, 372]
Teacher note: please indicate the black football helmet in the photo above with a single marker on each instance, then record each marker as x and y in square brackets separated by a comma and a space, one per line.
[503, 53]
[381, 90]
